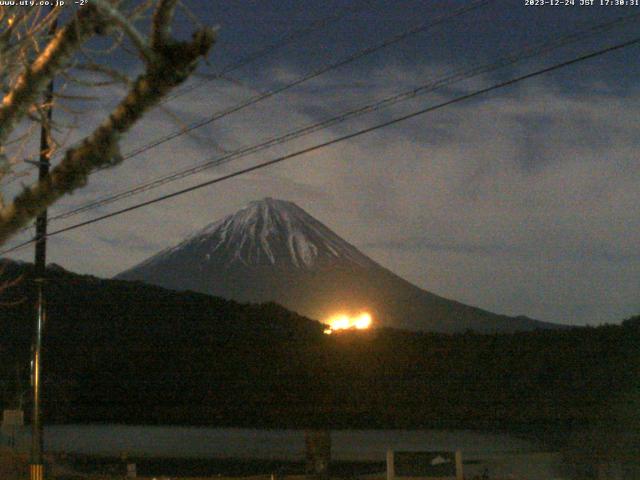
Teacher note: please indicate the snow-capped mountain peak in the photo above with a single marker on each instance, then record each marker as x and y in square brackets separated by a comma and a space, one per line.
[267, 232]
[274, 251]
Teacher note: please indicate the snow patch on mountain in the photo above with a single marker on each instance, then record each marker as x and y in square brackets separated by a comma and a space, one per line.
[267, 232]
[273, 251]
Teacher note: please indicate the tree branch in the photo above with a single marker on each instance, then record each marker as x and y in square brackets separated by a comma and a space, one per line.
[161, 26]
[172, 63]
[32, 82]
[127, 27]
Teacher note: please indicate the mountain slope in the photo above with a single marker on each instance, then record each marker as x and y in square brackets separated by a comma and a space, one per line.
[272, 250]
[124, 352]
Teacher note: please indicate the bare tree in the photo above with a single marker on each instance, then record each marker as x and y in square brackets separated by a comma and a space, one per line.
[31, 56]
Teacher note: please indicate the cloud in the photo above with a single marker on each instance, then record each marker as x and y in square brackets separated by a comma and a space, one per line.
[521, 202]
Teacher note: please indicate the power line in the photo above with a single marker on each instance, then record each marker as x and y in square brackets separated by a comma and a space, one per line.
[263, 52]
[349, 59]
[460, 75]
[263, 96]
[339, 139]
[305, 78]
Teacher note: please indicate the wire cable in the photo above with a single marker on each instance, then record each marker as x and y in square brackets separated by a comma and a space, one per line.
[334, 141]
[263, 52]
[457, 76]
[263, 96]
[305, 78]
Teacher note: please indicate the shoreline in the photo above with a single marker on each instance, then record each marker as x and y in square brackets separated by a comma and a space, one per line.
[195, 467]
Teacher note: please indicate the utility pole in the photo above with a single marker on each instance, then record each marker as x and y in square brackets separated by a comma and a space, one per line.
[36, 470]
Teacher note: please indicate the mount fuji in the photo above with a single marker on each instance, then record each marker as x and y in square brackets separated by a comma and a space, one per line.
[272, 250]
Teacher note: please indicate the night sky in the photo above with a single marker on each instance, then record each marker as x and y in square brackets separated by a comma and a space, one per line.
[524, 201]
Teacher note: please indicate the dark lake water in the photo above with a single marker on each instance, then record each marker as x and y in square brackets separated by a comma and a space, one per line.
[361, 445]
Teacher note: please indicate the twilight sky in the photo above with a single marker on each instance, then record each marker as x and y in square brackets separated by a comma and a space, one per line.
[522, 201]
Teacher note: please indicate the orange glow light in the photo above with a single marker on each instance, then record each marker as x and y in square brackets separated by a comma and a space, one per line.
[362, 321]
